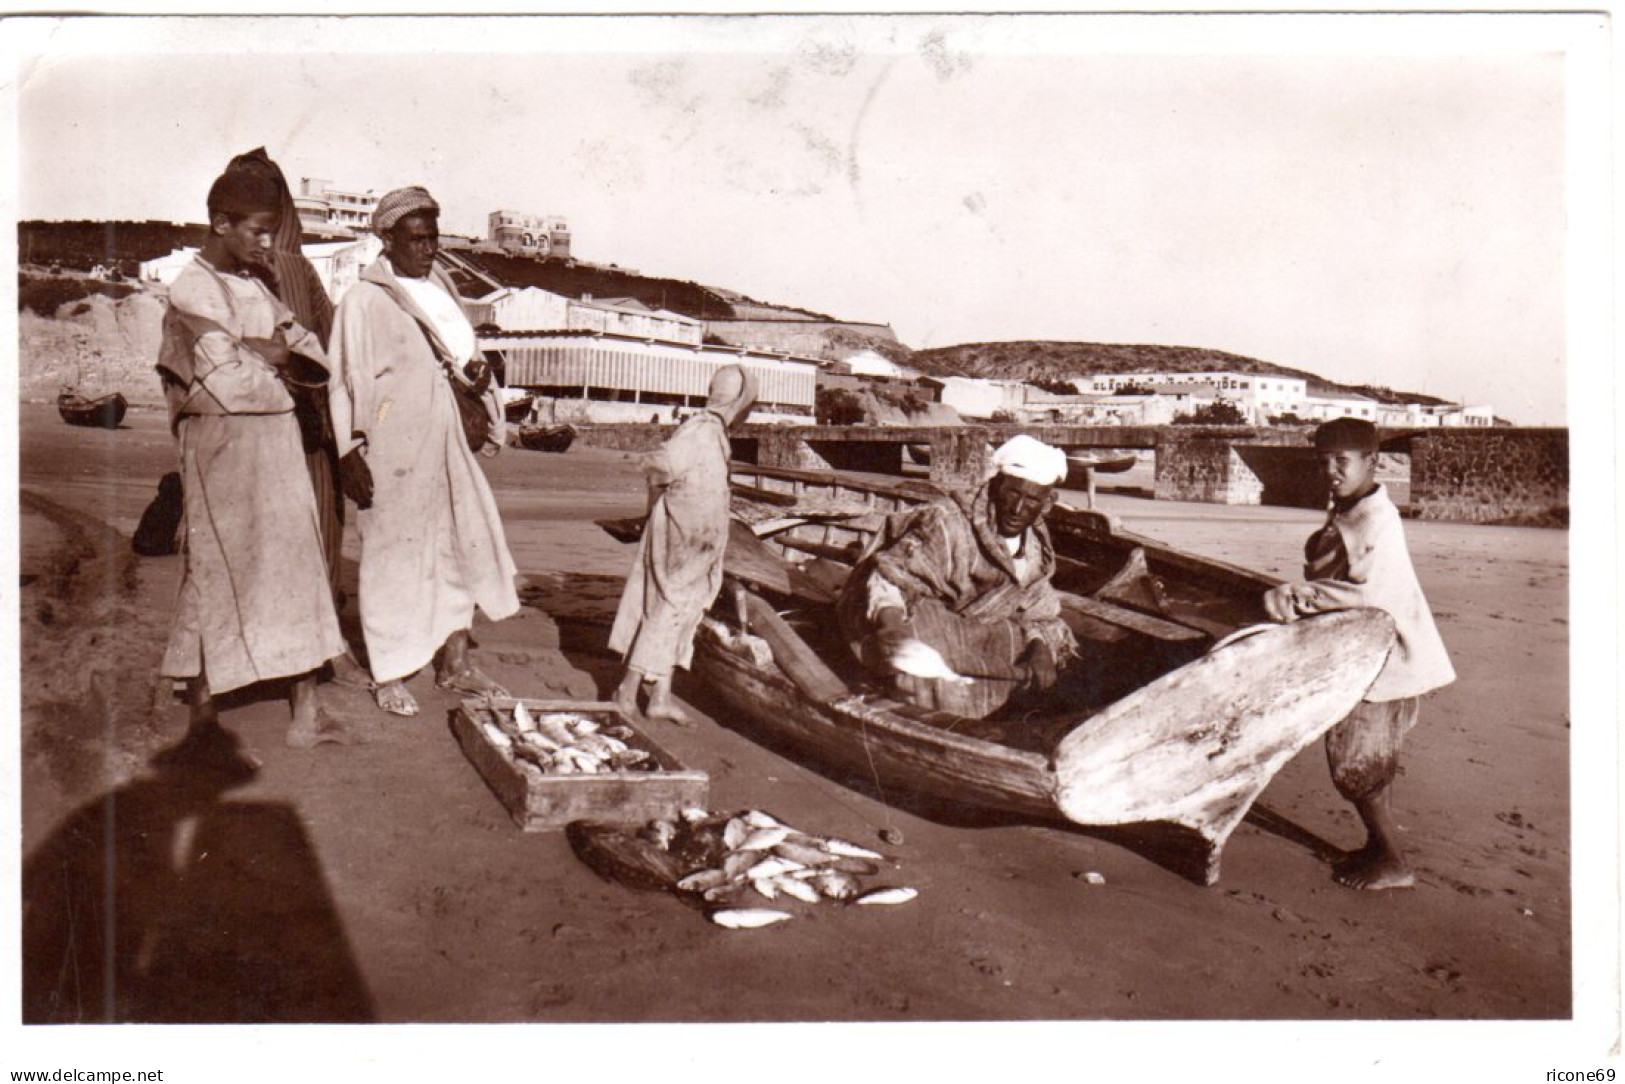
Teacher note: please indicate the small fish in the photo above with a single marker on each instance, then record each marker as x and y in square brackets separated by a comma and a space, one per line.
[921, 660]
[724, 893]
[747, 918]
[807, 856]
[736, 864]
[765, 887]
[763, 839]
[801, 890]
[660, 833]
[495, 735]
[703, 879]
[522, 720]
[556, 732]
[887, 896]
[772, 867]
[596, 746]
[835, 885]
[538, 740]
[854, 865]
[851, 850]
[692, 814]
[757, 819]
[735, 833]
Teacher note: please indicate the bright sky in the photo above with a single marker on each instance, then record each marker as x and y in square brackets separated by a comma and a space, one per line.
[1372, 199]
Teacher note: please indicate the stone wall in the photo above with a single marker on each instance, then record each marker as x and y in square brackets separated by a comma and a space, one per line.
[640, 437]
[1204, 468]
[1513, 476]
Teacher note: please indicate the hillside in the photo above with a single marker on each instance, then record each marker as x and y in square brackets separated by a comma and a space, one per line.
[1029, 359]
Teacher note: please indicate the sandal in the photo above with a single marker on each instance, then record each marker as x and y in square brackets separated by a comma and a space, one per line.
[470, 680]
[395, 698]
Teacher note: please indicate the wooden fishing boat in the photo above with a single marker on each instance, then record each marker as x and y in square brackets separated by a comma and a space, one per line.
[516, 404]
[1183, 704]
[103, 412]
[546, 438]
[1112, 463]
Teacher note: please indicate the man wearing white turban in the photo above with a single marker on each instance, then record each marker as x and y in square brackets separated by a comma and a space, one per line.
[970, 578]
[432, 545]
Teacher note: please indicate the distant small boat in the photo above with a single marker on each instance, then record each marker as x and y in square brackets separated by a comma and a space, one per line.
[516, 405]
[104, 412]
[1108, 464]
[549, 438]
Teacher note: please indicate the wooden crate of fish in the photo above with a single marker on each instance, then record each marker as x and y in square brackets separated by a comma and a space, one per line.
[551, 762]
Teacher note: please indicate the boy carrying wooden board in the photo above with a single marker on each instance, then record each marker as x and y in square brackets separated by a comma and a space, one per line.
[1359, 559]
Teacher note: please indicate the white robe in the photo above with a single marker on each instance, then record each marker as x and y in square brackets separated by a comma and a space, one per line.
[432, 545]
[254, 598]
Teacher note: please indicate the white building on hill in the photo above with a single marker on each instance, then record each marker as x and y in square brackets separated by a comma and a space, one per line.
[1259, 396]
[981, 399]
[535, 309]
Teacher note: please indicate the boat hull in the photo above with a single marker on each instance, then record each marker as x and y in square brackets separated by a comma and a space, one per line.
[104, 413]
[553, 439]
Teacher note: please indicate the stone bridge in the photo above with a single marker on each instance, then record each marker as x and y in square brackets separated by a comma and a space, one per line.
[1480, 475]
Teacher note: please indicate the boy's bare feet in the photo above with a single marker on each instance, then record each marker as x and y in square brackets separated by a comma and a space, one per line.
[1373, 868]
[625, 696]
[662, 705]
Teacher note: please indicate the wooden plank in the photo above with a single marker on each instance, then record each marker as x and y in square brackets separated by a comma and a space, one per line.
[766, 496]
[750, 560]
[799, 662]
[1132, 620]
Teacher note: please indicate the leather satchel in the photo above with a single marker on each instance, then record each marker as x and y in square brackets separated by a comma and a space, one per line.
[469, 397]
[471, 407]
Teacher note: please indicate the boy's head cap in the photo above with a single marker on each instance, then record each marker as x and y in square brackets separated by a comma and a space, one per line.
[1346, 435]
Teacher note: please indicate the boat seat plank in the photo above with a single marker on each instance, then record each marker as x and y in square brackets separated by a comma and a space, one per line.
[1123, 617]
[766, 496]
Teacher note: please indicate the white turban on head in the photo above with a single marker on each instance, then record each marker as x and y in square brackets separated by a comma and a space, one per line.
[1025, 457]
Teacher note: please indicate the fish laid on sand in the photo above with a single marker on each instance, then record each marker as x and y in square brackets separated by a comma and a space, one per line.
[722, 861]
[748, 918]
[886, 896]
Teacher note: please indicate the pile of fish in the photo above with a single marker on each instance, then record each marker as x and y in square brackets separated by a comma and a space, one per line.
[735, 860]
[565, 742]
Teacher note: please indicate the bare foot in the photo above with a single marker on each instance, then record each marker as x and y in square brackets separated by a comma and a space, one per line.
[394, 698]
[627, 701]
[471, 680]
[346, 671]
[670, 711]
[323, 729]
[1373, 869]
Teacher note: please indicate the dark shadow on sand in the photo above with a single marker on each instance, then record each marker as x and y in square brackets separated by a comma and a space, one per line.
[163, 902]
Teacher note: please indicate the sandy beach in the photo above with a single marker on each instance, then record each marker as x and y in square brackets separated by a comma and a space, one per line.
[383, 881]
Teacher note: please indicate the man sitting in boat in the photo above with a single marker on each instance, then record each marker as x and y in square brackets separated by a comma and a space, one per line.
[970, 581]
